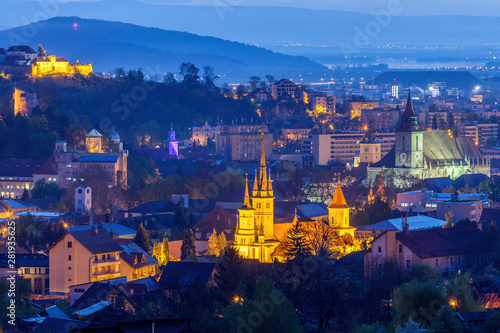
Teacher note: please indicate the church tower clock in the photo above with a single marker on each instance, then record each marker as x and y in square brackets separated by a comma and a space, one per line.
[409, 140]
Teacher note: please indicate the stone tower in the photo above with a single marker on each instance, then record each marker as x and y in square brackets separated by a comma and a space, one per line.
[409, 144]
[93, 142]
[338, 214]
[173, 144]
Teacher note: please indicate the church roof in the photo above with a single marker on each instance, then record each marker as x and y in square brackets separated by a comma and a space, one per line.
[438, 147]
[338, 200]
[369, 138]
[93, 134]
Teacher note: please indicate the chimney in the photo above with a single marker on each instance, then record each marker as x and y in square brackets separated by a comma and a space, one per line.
[96, 231]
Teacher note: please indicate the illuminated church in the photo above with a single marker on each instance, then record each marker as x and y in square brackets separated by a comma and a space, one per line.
[419, 154]
[255, 238]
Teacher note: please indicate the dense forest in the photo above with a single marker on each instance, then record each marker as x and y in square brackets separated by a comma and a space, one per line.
[141, 110]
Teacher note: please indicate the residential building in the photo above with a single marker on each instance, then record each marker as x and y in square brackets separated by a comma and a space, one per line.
[482, 134]
[425, 201]
[135, 262]
[356, 107]
[201, 134]
[76, 166]
[419, 222]
[379, 119]
[81, 257]
[443, 249]
[321, 103]
[16, 176]
[340, 146]
[295, 132]
[462, 209]
[33, 268]
[242, 142]
[260, 95]
[283, 87]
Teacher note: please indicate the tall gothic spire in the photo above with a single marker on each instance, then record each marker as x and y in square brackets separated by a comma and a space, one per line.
[246, 202]
[338, 200]
[409, 118]
[262, 168]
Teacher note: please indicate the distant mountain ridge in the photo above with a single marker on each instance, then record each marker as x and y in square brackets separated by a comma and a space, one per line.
[279, 24]
[108, 45]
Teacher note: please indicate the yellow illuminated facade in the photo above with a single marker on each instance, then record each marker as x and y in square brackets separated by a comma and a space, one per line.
[52, 65]
[338, 214]
[254, 236]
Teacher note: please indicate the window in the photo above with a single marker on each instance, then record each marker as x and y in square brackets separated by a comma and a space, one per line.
[379, 249]
[69, 268]
[451, 261]
[108, 256]
[103, 257]
[79, 290]
[408, 263]
[26, 271]
[437, 262]
[69, 257]
[70, 245]
[400, 248]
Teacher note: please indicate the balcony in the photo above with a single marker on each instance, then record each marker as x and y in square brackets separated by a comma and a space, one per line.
[105, 262]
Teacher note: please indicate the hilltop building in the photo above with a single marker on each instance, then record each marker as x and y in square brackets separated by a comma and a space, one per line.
[418, 154]
[23, 60]
[51, 65]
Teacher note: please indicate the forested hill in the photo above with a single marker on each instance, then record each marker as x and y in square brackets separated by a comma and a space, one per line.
[140, 110]
[108, 45]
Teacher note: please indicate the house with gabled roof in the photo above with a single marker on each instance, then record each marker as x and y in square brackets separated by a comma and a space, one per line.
[135, 262]
[83, 256]
[444, 249]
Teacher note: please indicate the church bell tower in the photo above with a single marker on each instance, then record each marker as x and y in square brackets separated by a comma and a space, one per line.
[409, 140]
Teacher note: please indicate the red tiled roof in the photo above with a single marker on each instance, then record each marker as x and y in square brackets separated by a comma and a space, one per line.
[444, 242]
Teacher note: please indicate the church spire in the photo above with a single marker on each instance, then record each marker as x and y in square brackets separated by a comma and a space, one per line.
[262, 186]
[409, 118]
[338, 200]
[246, 202]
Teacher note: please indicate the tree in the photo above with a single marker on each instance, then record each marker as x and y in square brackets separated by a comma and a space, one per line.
[449, 219]
[221, 243]
[42, 189]
[296, 245]
[492, 324]
[142, 238]
[209, 77]
[212, 247]
[267, 311]
[254, 81]
[229, 274]
[188, 247]
[417, 301]
[41, 51]
[169, 78]
[460, 290]
[165, 251]
[446, 322]
[321, 238]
